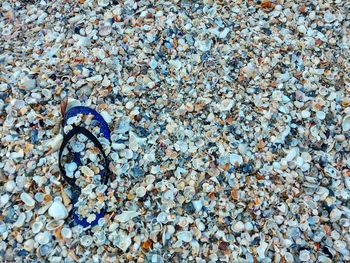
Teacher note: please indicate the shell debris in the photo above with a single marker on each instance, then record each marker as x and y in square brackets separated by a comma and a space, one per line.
[229, 121]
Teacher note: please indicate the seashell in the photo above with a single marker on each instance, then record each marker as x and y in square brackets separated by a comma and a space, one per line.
[304, 256]
[77, 146]
[72, 103]
[198, 205]
[37, 226]
[124, 243]
[105, 31]
[135, 142]
[4, 199]
[200, 225]
[86, 240]
[183, 222]
[20, 220]
[236, 159]
[57, 210]
[27, 199]
[103, 3]
[331, 172]
[39, 197]
[118, 146]
[140, 191]
[52, 145]
[226, 105]
[294, 152]
[329, 17]
[43, 238]
[203, 45]
[66, 233]
[127, 153]
[10, 186]
[162, 217]
[323, 192]
[44, 208]
[335, 215]
[261, 249]
[87, 171]
[126, 216]
[114, 156]
[238, 227]
[29, 245]
[184, 236]
[70, 167]
[44, 250]
[83, 41]
[54, 224]
[346, 123]
[149, 179]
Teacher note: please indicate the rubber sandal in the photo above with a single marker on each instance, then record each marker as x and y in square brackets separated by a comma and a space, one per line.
[104, 173]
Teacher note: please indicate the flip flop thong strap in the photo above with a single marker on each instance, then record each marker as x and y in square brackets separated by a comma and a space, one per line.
[88, 111]
[81, 130]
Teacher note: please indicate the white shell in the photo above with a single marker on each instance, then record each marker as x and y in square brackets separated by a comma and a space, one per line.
[346, 123]
[150, 179]
[261, 249]
[105, 31]
[57, 210]
[66, 233]
[29, 245]
[126, 216]
[226, 105]
[10, 186]
[43, 238]
[71, 167]
[27, 199]
[37, 226]
[20, 220]
[54, 224]
[87, 171]
[185, 236]
[235, 158]
[54, 143]
[238, 227]
[198, 204]
[86, 240]
[141, 191]
[103, 3]
[294, 152]
[125, 242]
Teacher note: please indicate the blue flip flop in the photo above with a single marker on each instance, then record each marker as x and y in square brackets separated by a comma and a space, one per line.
[104, 173]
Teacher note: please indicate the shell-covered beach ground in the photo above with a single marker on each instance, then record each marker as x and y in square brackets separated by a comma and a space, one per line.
[229, 120]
